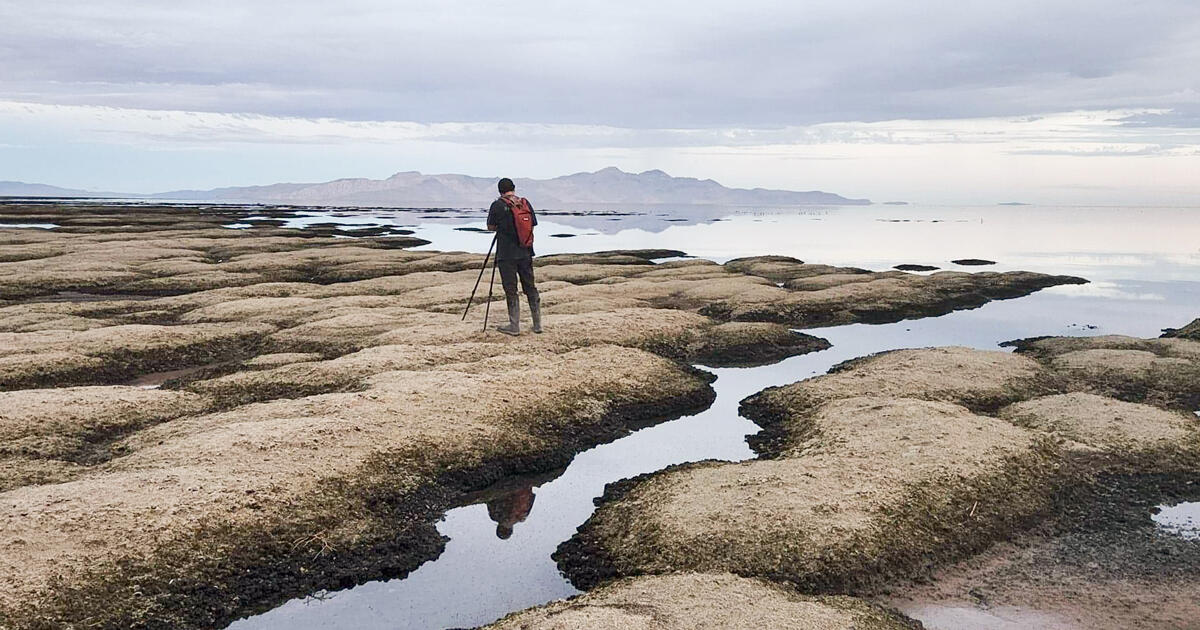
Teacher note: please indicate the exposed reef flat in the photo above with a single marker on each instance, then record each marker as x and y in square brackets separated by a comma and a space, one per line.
[894, 464]
[828, 296]
[323, 403]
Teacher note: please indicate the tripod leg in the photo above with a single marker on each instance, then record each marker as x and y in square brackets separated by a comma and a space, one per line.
[491, 284]
[481, 270]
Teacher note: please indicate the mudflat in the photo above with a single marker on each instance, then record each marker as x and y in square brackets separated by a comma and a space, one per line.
[323, 403]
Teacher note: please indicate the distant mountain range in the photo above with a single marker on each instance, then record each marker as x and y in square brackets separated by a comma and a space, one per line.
[412, 189]
[22, 189]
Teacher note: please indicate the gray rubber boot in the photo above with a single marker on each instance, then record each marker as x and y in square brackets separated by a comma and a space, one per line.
[535, 311]
[514, 317]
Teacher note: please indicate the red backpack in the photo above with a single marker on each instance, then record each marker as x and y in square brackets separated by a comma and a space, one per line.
[522, 215]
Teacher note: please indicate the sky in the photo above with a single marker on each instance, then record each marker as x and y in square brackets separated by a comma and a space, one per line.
[1045, 101]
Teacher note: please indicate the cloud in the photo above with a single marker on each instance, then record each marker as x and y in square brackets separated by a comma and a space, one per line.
[1187, 117]
[668, 64]
[1113, 150]
[1069, 133]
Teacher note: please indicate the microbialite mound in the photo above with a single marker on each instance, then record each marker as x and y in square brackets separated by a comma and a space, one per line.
[344, 404]
[893, 464]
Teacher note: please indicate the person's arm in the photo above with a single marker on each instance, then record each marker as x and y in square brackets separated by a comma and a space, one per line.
[492, 219]
[532, 213]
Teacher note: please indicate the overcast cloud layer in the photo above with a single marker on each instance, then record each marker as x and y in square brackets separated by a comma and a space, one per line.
[643, 64]
[568, 76]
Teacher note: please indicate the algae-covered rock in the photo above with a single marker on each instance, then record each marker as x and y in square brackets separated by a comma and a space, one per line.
[826, 296]
[1125, 430]
[692, 601]
[112, 354]
[1191, 331]
[1163, 372]
[979, 380]
[878, 486]
[746, 343]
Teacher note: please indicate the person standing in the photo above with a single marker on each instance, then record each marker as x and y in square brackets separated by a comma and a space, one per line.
[512, 219]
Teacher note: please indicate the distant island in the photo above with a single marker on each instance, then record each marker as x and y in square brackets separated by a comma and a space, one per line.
[1012, 203]
[413, 189]
[895, 203]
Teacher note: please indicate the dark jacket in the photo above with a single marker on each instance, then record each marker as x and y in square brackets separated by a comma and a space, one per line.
[508, 246]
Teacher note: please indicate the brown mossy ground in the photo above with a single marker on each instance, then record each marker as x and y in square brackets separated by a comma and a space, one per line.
[1163, 372]
[323, 403]
[893, 464]
[253, 500]
[827, 296]
[698, 601]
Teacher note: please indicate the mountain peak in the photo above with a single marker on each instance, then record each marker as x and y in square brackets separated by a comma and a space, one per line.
[609, 185]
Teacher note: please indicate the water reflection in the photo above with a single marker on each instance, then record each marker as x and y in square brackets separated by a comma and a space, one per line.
[1180, 520]
[1097, 243]
[510, 509]
[510, 501]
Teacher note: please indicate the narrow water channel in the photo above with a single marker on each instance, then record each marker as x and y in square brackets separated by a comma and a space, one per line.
[498, 557]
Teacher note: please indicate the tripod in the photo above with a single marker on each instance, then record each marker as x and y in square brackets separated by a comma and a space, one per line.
[488, 307]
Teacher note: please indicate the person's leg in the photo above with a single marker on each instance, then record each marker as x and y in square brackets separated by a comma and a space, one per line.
[525, 271]
[508, 278]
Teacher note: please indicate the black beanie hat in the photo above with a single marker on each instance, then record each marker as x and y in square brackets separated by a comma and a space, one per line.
[506, 185]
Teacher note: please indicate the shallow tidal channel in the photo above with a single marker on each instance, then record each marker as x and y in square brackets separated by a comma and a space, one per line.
[497, 559]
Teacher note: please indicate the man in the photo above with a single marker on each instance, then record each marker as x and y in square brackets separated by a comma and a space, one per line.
[514, 258]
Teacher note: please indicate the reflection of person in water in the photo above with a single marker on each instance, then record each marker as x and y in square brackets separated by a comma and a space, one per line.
[510, 509]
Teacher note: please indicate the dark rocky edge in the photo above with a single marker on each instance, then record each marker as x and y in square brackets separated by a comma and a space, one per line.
[1191, 331]
[973, 262]
[759, 352]
[912, 267]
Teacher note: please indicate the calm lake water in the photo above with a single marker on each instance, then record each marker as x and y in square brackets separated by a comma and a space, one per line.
[1145, 270]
